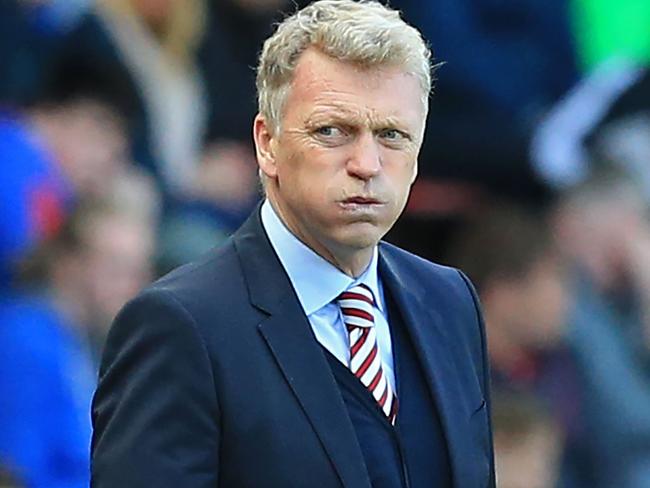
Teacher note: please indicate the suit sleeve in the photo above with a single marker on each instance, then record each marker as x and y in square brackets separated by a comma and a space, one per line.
[155, 412]
[485, 371]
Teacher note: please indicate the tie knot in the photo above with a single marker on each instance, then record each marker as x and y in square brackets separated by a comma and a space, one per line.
[357, 306]
[359, 292]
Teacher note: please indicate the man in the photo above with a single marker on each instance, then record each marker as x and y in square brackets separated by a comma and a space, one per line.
[510, 253]
[604, 237]
[304, 352]
[69, 144]
[49, 330]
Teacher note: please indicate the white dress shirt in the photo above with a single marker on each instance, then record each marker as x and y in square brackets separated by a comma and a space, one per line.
[318, 283]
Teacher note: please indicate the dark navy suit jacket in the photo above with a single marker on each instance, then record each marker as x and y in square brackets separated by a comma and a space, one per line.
[213, 377]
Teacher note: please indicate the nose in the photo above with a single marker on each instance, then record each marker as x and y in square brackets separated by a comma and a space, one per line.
[365, 160]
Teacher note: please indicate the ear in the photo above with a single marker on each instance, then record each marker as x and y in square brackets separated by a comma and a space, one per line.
[264, 146]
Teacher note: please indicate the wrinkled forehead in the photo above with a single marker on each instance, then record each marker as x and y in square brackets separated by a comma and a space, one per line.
[326, 87]
[313, 63]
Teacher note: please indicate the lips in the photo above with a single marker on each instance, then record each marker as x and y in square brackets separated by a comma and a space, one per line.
[359, 200]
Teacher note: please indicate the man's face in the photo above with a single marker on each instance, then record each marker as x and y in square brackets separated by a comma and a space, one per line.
[541, 305]
[116, 264]
[92, 146]
[341, 166]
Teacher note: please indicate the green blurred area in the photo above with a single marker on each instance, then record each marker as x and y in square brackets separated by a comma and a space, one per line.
[611, 28]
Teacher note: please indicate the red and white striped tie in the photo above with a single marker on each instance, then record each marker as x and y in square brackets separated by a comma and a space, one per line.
[365, 361]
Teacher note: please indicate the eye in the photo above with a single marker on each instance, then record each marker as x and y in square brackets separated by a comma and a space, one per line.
[393, 135]
[329, 131]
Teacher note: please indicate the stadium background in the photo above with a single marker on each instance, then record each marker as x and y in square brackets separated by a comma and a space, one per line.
[125, 150]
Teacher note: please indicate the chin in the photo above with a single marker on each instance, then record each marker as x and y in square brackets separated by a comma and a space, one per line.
[360, 236]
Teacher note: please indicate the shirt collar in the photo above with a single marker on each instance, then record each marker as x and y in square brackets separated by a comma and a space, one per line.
[316, 281]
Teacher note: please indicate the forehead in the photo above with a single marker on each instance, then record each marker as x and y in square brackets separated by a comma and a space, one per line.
[325, 86]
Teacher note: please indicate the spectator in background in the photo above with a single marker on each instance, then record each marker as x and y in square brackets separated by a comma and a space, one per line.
[150, 47]
[70, 143]
[224, 186]
[527, 441]
[116, 256]
[604, 235]
[509, 253]
[50, 334]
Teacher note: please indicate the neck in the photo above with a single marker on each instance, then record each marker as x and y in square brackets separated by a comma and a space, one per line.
[352, 262]
[352, 265]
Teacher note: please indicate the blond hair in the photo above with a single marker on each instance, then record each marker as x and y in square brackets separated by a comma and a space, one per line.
[364, 33]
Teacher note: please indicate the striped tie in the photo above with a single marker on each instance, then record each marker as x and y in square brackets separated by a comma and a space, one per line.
[365, 361]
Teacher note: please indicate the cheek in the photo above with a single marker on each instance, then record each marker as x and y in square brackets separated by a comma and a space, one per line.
[399, 180]
[310, 174]
[400, 165]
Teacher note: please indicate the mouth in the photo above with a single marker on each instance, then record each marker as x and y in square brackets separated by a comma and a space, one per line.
[360, 200]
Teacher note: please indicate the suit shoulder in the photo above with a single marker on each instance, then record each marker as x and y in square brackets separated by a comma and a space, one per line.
[422, 269]
[203, 287]
[438, 282]
[212, 274]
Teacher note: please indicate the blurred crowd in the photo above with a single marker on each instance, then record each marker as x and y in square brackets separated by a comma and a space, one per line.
[126, 150]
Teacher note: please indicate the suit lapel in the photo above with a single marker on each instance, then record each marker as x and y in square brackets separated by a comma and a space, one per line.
[288, 334]
[434, 349]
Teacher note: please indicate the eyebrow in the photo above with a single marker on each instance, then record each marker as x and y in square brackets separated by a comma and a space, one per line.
[347, 117]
